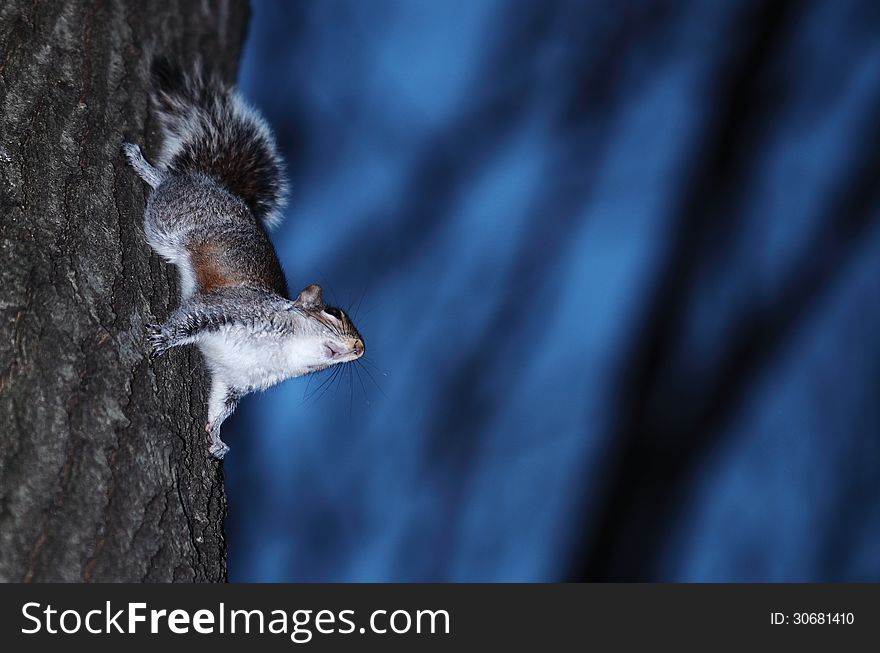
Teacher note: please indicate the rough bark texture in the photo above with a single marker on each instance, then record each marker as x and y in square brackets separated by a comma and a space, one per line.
[103, 467]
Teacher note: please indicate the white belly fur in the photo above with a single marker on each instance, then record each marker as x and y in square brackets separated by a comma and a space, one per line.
[250, 361]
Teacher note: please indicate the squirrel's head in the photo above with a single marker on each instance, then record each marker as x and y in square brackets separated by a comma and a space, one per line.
[335, 339]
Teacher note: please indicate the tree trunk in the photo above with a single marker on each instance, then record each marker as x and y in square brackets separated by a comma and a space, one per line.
[104, 473]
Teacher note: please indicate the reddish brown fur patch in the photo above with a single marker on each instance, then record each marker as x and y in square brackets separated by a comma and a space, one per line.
[211, 274]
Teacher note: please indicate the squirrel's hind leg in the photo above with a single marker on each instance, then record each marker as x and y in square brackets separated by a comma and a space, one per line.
[141, 166]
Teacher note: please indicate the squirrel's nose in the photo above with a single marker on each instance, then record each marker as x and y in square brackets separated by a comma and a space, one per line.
[358, 347]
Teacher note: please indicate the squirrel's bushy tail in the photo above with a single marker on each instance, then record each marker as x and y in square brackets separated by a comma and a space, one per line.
[208, 128]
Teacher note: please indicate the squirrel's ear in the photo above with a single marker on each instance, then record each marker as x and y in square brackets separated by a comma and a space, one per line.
[310, 297]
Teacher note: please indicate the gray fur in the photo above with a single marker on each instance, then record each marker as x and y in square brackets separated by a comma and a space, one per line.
[235, 306]
[209, 128]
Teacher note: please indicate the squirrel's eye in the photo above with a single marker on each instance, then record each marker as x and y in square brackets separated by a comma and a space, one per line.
[334, 312]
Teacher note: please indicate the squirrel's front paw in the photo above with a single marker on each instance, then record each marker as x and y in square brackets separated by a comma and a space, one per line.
[216, 446]
[218, 449]
[160, 342]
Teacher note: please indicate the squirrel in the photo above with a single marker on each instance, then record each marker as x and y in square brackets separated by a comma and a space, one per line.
[217, 186]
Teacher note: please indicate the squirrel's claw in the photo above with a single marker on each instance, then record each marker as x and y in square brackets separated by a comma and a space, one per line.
[159, 340]
[218, 448]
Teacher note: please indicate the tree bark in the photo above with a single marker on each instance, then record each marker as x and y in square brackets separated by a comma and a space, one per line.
[104, 473]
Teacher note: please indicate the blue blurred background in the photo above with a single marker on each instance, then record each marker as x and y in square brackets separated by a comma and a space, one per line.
[617, 269]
